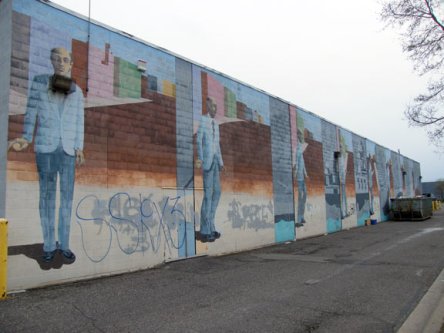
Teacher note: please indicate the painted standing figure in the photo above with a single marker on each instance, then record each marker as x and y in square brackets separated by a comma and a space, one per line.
[343, 160]
[209, 158]
[300, 175]
[371, 173]
[55, 106]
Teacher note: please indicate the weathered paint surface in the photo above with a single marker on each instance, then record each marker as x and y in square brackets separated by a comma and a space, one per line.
[179, 160]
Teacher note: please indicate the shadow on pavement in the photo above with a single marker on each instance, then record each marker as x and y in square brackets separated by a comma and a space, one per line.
[35, 251]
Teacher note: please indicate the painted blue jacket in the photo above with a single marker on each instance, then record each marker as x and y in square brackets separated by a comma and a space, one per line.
[208, 143]
[58, 116]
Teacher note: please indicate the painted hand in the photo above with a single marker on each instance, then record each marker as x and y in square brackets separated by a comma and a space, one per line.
[18, 144]
[80, 157]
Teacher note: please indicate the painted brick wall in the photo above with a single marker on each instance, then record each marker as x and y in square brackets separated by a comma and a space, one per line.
[180, 160]
[282, 176]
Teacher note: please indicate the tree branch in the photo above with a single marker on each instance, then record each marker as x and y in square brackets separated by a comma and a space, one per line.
[432, 14]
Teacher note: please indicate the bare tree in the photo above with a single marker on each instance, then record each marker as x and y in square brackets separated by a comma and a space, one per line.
[422, 29]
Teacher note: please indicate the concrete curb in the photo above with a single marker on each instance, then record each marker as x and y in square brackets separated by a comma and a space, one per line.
[428, 315]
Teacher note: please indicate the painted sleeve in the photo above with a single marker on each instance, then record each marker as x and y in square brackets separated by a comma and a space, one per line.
[31, 111]
[219, 152]
[199, 140]
[80, 118]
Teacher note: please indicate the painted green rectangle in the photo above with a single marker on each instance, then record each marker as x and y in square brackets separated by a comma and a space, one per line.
[230, 103]
[127, 79]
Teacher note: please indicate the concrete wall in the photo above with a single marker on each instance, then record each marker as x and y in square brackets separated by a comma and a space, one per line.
[140, 199]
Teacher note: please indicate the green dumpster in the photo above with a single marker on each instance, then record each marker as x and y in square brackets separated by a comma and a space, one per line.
[411, 209]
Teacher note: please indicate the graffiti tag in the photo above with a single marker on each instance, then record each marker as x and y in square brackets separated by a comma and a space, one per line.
[137, 224]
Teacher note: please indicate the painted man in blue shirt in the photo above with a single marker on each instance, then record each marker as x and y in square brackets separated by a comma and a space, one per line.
[209, 158]
[342, 165]
[300, 175]
[57, 110]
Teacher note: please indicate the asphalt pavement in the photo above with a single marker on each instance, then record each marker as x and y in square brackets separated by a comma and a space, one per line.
[380, 278]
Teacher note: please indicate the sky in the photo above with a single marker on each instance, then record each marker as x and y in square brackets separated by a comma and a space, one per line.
[333, 58]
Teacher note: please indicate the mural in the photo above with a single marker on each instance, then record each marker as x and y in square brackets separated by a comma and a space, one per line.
[397, 174]
[308, 173]
[283, 198]
[55, 112]
[361, 179]
[373, 181]
[233, 186]
[383, 180]
[417, 178]
[122, 156]
[345, 160]
[300, 174]
[331, 176]
[209, 158]
[117, 118]
[389, 174]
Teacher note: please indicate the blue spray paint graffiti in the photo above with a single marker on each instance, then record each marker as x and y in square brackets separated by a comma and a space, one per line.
[138, 224]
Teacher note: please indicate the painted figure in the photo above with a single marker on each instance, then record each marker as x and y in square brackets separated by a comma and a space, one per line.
[209, 158]
[371, 172]
[300, 175]
[343, 160]
[55, 107]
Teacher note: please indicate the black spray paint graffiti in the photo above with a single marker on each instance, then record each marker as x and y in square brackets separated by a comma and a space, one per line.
[137, 223]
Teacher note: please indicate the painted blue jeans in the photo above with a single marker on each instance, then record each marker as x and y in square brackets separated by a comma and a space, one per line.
[49, 166]
[302, 199]
[211, 183]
